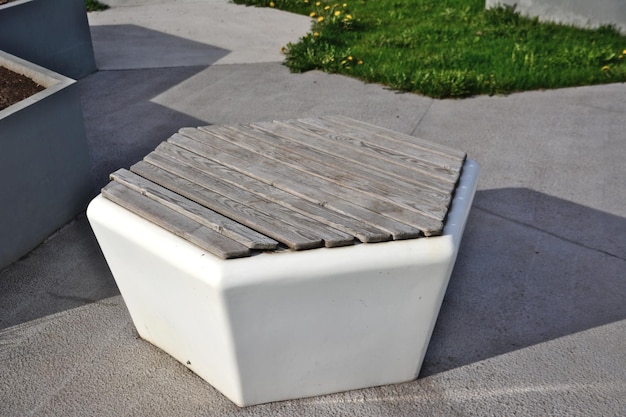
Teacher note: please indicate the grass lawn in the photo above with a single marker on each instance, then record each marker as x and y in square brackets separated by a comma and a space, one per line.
[95, 5]
[449, 48]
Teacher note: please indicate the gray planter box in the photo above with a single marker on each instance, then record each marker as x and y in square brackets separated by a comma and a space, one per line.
[45, 169]
[582, 13]
[51, 33]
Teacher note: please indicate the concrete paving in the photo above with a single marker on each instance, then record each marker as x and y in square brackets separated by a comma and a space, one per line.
[534, 319]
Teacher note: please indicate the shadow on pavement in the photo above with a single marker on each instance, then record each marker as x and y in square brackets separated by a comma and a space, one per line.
[66, 271]
[135, 65]
[118, 47]
[531, 268]
[122, 123]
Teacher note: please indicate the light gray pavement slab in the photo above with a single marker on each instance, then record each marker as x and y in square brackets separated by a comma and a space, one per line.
[155, 34]
[534, 319]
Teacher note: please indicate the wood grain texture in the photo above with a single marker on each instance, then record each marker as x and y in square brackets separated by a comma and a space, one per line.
[369, 210]
[393, 165]
[174, 222]
[191, 167]
[410, 142]
[345, 171]
[268, 225]
[306, 183]
[373, 195]
[216, 176]
[215, 221]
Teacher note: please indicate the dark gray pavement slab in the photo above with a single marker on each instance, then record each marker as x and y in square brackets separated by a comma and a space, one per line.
[148, 33]
[533, 322]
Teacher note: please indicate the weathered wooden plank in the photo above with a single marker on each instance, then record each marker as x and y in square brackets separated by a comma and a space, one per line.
[403, 139]
[395, 148]
[268, 225]
[215, 221]
[304, 183]
[190, 166]
[174, 222]
[399, 223]
[342, 173]
[338, 169]
[430, 170]
[335, 155]
[215, 173]
[409, 146]
[259, 166]
[434, 154]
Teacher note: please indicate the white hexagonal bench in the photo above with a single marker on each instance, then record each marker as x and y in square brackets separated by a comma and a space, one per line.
[288, 259]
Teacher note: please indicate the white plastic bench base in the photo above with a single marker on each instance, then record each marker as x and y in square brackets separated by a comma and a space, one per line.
[286, 325]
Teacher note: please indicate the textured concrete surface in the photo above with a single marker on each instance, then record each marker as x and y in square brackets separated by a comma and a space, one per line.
[149, 34]
[99, 368]
[534, 319]
[581, 13]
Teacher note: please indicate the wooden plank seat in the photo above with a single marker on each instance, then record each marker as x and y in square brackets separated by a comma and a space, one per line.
[300, 184]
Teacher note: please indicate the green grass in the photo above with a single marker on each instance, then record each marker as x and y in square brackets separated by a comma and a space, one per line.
[450, 48]
[95, 5]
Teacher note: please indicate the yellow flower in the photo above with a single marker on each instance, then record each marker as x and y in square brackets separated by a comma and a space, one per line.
[306, 1]
[360, 62]
[337, 13]
[345, 5]
[624, 52]
[316, 34]
[320, 19]
[326, 7]
[272, 4]
[605, 68]
[312, 14]
[350, 58]
[318, 3]
[348, 17]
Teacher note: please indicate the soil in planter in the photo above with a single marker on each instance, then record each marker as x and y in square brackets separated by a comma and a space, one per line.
[15, 87]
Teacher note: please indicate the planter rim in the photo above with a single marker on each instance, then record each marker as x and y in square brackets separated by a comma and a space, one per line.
[14, 3]
[50, 80]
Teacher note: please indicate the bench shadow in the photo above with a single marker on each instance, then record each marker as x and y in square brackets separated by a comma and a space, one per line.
[531, 268]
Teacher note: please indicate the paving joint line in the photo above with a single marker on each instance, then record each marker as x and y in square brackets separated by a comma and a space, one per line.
[574, 242]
